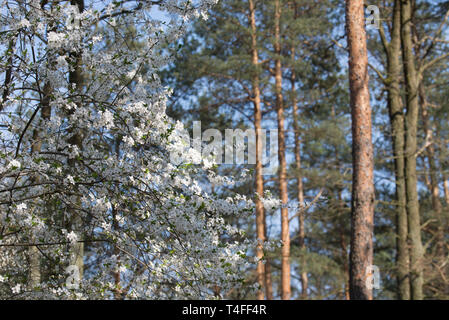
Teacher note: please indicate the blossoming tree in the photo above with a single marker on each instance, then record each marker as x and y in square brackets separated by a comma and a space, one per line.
[90, 204]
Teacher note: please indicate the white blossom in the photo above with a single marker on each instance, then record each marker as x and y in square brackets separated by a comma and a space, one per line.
[16, 289]
[69, 179]
[14, 164]
[72, 237]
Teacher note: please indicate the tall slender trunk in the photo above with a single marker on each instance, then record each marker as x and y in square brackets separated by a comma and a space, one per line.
[35, 273]
[299, 186]
[396, 114]
[76, 79]
[118, 294]
[434, 189]
[343, 240]
[285, 234]
[361, 255]
[260, 214]
[268, 277]
[411, 124]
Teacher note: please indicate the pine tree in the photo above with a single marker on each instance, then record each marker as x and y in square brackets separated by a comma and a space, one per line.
[362, 219]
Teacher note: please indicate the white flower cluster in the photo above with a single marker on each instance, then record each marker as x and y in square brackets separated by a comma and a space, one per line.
[269, 202]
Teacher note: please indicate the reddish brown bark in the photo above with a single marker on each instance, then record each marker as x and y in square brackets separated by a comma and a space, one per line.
[361, 255]
[285, 234]
[260, 214]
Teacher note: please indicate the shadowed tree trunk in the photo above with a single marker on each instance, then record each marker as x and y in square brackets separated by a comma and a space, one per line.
[411, 125]
[268, 278]
[300, 190]
[433, 170]
[361, 255]
[299, 185]
[344, 249]
[395, 109]
[8, 72]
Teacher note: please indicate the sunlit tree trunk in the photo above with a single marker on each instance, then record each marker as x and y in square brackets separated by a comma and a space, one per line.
[260, 215]
[361, 255]
[285, 234]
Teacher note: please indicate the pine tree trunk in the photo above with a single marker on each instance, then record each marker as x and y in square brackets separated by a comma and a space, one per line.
[268, 277]
[361, 255]
[299, 185]
[285, 234]
[411, 124]
[397, 132]
[260, 214]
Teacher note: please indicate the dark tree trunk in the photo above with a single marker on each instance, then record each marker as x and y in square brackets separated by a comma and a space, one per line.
[299, 184]
[434, 181]
[395, 108]
[411, 125]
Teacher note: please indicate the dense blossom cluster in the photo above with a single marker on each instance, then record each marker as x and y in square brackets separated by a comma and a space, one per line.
[84, 159]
